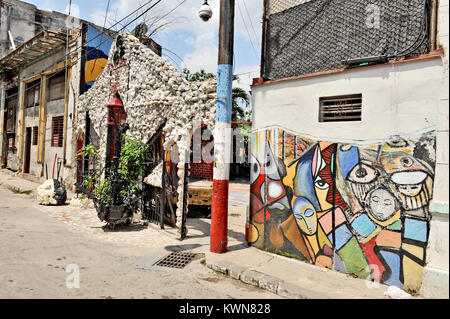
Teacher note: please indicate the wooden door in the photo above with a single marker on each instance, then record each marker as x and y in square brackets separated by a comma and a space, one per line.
[26, 167]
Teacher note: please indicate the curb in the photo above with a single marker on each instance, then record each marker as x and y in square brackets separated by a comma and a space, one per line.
[263, 281]
[17, 189]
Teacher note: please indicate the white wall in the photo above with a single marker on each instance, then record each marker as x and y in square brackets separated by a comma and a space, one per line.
[394, 96]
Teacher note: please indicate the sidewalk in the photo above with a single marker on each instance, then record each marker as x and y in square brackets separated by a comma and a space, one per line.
[18, 184]
[287, 277]
[284, 276]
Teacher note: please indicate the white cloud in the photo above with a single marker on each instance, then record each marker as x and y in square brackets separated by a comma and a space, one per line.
[202, 36]
[74, 10]
[248, 20]
[246, 75]
[190, 41]
[98, 17]
[204, 55]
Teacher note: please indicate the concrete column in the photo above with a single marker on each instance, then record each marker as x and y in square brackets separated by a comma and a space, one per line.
[222, 135]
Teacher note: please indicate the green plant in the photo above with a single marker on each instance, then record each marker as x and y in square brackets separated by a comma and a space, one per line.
[27, 192]
[90, 180]
[197, 76]
[286, 254]
[132, 157]
[88, 151]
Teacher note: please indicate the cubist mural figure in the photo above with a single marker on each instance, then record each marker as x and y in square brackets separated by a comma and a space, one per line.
[361, 209]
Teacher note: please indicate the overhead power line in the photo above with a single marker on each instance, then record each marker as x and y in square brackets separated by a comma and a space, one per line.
[248, 33]
[83, 45]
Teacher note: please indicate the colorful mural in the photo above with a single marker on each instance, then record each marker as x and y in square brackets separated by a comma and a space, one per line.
[97, 51]
[356, 208]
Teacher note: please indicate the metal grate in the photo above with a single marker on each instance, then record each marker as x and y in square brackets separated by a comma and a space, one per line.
[340, 108]
[304, 37]
[178, 259]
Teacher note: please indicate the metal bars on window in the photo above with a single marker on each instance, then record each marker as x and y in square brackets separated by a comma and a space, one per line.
[57, 131]
[340, 108]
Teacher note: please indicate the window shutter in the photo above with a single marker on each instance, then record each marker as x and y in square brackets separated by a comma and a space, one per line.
[57, 131]
[35, 135]
[340, 108]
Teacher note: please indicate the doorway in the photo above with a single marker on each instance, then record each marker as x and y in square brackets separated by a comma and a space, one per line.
[26, 167]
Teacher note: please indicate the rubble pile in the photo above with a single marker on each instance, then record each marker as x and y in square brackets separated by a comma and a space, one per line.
[152, 91]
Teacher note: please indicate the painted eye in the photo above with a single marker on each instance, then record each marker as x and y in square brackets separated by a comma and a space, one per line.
[397, 141]
[375, 199]
[256, 170]
[321, 184]
[309, 213]
[362, 173]
[298, 216]
[406, 161]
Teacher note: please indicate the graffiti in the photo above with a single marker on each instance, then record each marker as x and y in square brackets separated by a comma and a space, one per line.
[356, 208]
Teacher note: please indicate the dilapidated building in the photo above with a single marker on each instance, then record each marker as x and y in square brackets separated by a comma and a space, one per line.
[41, 79]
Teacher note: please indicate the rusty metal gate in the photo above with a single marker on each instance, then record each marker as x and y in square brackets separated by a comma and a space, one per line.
[159, 204]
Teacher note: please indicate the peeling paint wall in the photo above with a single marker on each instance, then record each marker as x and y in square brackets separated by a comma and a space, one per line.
[152, 91]
[25, 20]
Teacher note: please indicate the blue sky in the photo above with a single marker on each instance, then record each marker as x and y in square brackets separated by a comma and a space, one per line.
[192, 41]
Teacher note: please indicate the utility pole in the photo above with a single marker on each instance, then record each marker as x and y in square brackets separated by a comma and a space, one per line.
[222, 131]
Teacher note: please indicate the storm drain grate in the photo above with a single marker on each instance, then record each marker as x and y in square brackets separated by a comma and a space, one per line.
[178, 259]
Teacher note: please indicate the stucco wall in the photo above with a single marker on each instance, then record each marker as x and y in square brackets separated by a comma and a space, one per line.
[398, 99]
[24, 20]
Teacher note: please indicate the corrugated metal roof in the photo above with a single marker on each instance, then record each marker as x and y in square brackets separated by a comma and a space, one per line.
[42, 43]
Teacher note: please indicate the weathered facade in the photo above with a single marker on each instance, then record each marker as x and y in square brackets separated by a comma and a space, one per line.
[20, 21]
[42, 79]
[153, 92]
[350, 156]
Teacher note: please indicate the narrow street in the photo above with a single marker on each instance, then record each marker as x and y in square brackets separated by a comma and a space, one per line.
[36, 250]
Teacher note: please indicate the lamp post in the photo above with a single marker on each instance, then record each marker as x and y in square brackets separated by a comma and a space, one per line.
[222, 133]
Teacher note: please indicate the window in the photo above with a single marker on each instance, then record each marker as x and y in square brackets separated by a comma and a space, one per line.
[12, 144]
[32, 93]
[57, 131]
[56, 86]
[35, 135]
[340, 108]
[10, 109]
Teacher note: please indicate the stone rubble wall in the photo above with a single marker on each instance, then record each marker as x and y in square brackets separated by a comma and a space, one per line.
[152, 91]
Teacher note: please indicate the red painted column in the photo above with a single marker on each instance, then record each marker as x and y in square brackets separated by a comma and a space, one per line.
[222, 130]
[219, 217]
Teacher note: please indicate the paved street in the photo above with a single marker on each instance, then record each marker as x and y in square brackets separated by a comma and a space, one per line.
[37, 244]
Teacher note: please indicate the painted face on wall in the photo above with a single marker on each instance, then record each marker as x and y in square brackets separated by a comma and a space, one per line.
[382, 205]
[305, 215]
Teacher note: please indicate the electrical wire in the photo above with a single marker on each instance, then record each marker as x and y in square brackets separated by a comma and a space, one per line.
[251, 23]
[248, 33]
[76, 60]
[101, 37]
[170, 51]
[162, 17]
[424, 30]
